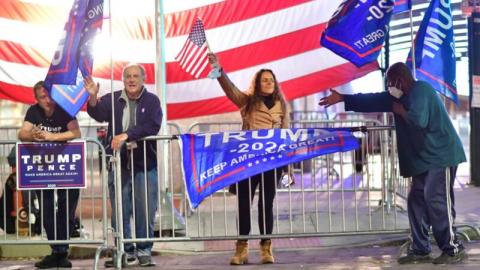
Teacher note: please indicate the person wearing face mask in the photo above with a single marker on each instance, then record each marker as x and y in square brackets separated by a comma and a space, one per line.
[428, 147]
[262, 106]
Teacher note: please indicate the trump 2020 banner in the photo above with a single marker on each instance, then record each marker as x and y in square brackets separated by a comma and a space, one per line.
[435, 60]
[51, 165]
[73, 58]
[212, 161]
[357, 30]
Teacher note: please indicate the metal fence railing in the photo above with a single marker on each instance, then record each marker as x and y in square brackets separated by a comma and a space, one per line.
[351, 193]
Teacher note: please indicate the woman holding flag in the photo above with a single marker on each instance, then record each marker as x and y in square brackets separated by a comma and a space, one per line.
[262, 106]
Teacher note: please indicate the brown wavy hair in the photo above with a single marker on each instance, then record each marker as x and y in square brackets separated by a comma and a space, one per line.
[256, 95]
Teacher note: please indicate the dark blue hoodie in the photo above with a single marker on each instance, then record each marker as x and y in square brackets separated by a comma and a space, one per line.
[148, 121]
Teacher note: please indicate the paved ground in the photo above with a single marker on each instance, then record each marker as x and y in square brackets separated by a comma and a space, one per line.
[366, 257]
[360, 252]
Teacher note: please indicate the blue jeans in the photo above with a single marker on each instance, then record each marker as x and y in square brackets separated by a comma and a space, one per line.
[144, 195]
[431, 203]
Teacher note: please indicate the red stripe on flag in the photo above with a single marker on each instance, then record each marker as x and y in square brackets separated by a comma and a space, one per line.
[260, 52]
[235, 59]
[223, 13]
[177, 24]
[30, 12]
[18, 53]
[16, 93]
[306, 85]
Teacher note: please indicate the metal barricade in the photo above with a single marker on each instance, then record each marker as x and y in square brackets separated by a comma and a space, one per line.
[27, 214]
[320, 203]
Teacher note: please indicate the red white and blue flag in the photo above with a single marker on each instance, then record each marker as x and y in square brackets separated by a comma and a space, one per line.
[73, 58]
[246, 35]
[193, 56]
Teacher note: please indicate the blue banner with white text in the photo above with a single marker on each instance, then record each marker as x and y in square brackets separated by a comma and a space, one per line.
[212, 161]
[51, 165]
[435, 60]
[358, 29]
[73, 57]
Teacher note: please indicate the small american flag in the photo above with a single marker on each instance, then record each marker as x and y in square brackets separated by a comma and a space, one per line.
[193, 56]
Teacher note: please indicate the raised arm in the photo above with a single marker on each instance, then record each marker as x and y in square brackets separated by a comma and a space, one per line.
[238, 97]
[373, 102]
[92, 89]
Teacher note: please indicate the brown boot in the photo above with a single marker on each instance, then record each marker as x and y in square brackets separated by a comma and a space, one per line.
[266, 254]
[241, 253]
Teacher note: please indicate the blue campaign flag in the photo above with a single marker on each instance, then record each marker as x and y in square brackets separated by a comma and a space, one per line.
[212, 161]
[435, 50]
[72, 97]
[73, 54]
[402, 5]
[358, 29]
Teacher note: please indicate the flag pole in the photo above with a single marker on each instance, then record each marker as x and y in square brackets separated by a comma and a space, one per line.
[215, 72]
[160, 76]
[166, 207]
[116, 155]
[412, 40]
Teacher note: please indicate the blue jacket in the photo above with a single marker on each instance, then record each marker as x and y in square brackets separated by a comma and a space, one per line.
[428, 140]
[148, 119]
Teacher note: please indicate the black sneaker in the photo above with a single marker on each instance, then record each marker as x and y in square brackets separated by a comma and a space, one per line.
[412, 258]
[48, 261]
[146, 261]
[54, 260]
[445, 258]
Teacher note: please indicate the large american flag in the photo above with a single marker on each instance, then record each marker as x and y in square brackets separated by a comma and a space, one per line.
[246, 35]
[193, 56]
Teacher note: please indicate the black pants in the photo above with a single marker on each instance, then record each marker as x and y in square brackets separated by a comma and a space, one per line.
[63, 217]
[267, 190]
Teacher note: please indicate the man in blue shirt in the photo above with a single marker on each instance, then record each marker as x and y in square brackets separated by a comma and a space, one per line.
[137, 115]
[429, 151]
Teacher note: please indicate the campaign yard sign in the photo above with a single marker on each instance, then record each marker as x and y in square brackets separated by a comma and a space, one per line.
[51, 165]
[212, 161]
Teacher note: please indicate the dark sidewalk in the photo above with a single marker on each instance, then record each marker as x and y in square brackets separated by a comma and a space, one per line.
[366, 257]
[346, 252]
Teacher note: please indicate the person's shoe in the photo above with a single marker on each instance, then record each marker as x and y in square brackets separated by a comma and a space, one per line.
[412, 258]
[445, 258]
[130, 260]
[241, 253]
[54, 260]
[64, 263]
[146, 261]
[266, 254]
[48, 261]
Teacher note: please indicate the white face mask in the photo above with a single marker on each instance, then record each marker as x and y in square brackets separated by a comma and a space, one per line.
[395, 92]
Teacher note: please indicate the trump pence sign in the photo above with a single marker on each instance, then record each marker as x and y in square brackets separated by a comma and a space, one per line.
[51, 165]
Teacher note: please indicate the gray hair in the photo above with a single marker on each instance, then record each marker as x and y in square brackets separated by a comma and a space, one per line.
[142, 70]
